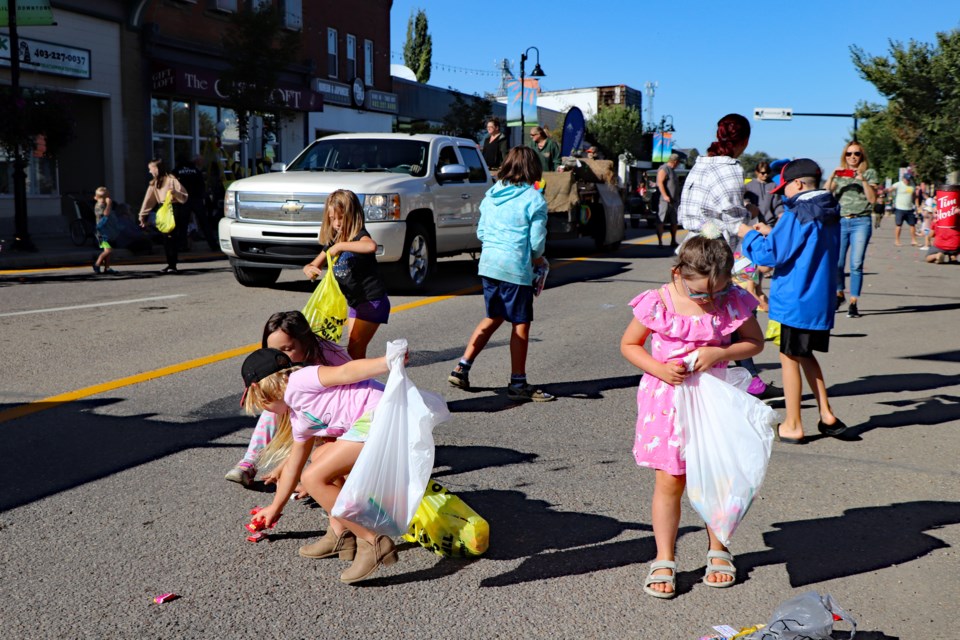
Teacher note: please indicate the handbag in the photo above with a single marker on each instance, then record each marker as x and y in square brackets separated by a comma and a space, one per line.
[387, 482]
[165, 220]
[727, 443]
[108, 228]
[326, 309]
[446, 525]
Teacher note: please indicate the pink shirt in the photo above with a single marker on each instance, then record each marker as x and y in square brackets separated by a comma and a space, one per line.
[316, 410]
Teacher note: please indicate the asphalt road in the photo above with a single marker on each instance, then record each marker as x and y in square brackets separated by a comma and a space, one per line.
[115, 493]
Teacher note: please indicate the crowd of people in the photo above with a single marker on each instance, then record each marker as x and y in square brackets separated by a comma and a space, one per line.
[315, 398]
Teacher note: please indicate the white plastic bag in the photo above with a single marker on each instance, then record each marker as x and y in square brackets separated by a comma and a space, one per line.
[728, 439]
[808, 616]
[386, 485]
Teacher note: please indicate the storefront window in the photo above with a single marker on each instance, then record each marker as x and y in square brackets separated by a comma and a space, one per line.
[206, 121]
[161, 115]
[182, 125]
[41, 176]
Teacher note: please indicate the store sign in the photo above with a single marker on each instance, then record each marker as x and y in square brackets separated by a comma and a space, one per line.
[47, 57]
[382, 101]
[203, 83]
[332, 92]
[29, 13]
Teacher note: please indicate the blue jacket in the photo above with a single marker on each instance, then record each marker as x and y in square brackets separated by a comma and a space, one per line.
[513, 230]
[804, 248]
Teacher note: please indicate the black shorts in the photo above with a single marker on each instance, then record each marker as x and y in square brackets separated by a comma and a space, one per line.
[801, 343]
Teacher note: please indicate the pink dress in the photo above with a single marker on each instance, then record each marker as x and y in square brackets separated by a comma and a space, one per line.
[658, 444]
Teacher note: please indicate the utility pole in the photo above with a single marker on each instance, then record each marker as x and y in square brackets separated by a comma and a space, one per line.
[21, 241]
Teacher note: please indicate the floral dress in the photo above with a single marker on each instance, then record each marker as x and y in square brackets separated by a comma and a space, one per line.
[658, 443]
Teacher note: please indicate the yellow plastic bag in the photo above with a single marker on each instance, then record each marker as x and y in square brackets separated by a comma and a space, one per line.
[447, 526]
[326, 310]
[165, 220]
[773, 332]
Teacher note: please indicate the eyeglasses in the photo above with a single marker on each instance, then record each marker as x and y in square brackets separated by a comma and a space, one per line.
[698, 295]
[762, 173]
[854, 153]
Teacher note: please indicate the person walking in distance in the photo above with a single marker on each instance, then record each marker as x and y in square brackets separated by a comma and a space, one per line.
[164, 183]
[495, 147]
[904, 208]
[668, 185]
[102, 208]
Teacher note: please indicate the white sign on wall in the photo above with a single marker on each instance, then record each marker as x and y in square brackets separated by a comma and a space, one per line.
[47, 57]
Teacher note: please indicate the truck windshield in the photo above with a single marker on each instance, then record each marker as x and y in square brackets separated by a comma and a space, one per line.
[367, 154]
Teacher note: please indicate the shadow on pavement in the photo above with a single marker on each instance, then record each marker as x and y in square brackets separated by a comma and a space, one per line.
[892, 383]
[913, 308]
[859, 541]
[942, 356]
[579, 389]
[123, 273]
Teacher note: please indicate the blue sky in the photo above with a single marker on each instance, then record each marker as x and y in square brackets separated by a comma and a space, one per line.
[708, 58]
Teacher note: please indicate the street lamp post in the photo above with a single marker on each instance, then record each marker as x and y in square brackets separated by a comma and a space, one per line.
[536, 73]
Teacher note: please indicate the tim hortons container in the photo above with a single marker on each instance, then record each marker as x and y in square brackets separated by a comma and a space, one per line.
[947, 218]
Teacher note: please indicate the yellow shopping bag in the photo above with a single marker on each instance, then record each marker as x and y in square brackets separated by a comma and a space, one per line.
[326, 310]
[447, 526]
[773, 331]
[165, 221]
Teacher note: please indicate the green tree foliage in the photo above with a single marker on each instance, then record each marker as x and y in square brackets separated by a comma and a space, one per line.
[616, 129]
[418, 48]
[467, 115]
[878, 137]
[920, 81]
[259, 49]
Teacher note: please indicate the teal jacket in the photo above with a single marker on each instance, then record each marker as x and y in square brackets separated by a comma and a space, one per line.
[513, 230]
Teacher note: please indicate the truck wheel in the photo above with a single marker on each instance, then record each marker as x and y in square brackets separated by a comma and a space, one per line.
[416, 265]
[251, 277]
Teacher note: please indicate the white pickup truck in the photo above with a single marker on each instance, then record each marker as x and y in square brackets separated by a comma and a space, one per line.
[421, 198]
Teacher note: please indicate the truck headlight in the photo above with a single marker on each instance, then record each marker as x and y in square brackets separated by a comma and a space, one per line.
[230, 204]
[381, 206]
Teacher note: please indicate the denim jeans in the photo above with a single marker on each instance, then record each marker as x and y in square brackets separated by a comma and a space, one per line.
[854, 235]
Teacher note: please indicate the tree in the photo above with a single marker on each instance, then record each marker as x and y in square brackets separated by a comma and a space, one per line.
[749, 161]
[616, 129]
[418, 48]
[258, 49]
[879, 139]
[466, 116]
[919, 81]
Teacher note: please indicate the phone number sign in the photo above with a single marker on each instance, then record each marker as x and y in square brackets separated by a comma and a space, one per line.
[47, 57]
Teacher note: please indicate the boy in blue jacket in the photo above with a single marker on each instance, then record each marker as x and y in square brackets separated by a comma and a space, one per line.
[803, 248]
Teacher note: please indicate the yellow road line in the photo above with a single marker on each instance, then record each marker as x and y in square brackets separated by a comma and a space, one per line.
[70, 396]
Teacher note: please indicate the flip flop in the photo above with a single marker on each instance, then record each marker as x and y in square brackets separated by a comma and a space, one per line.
[670, 579]
[779, 438]
[835, 429]
[730, 570]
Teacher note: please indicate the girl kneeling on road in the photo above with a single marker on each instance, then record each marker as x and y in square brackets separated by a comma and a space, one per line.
[335, 404]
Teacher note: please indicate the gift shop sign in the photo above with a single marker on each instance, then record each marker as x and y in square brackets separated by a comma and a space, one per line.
[47, 57]
[203, 83]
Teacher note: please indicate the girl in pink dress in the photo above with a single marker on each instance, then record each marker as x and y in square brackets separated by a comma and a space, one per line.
[698, 310]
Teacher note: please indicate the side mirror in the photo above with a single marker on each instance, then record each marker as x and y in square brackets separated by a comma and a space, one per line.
[452, 173]
[278, 167]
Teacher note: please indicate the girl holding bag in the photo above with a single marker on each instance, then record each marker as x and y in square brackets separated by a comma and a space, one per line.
[163, 185]
[698, 310]
[333, 403]
[342, 234]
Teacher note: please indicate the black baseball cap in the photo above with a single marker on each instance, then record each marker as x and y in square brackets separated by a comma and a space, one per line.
[263, 363]
[799, 168]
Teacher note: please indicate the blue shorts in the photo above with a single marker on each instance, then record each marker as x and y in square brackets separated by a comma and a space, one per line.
[507, 300]
[372, 310]
[905, 215]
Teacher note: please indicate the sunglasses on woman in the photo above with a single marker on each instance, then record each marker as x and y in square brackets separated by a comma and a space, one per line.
[854, 153]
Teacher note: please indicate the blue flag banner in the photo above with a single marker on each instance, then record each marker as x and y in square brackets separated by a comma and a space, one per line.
[574, 128]
[662, 146]
[530, 92]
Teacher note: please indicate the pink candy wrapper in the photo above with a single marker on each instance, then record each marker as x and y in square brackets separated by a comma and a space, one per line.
[165, 597]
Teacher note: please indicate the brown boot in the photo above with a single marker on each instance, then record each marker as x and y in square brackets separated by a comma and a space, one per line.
[331, 544]
[369, 557]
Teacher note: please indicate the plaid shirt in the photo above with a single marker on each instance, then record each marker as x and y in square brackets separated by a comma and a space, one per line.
[714, 189]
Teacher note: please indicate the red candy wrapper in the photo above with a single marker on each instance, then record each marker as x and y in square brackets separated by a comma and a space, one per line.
[165, 597]
[255, 510]
[257, 537]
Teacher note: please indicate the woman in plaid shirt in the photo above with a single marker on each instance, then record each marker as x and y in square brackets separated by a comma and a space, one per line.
[714, 187]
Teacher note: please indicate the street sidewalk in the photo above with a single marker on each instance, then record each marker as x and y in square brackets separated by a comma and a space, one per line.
[56, 251]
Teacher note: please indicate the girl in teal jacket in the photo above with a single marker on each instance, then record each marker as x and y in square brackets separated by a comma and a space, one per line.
[513, 230]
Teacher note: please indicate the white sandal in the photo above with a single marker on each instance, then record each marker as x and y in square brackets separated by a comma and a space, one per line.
[730, 570]
[670, 579]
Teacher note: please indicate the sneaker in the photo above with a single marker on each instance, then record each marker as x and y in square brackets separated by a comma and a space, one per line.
[527, 393]
[852, 311]
[459, 378]
[840, 300]
[770, 392]
[112, 272]
[242, 475]
[96, 268]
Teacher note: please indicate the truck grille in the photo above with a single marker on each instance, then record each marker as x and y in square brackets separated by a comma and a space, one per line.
[271, 207]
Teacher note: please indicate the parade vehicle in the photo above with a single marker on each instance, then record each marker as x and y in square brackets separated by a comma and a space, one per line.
[584, 200]
[420, 193]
